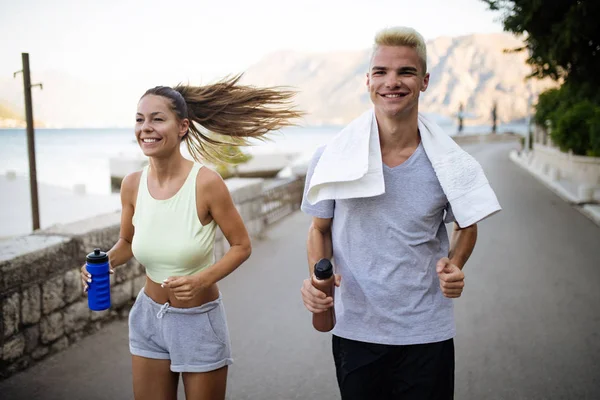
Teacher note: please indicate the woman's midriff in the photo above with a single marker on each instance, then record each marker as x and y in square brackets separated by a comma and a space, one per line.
[162, 295]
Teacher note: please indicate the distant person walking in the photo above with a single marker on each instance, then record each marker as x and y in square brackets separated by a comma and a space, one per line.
[494, 117]
[170, 212]
[379, 211]
[461, 116]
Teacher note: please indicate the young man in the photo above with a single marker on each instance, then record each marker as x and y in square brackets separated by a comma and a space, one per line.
[396, 270]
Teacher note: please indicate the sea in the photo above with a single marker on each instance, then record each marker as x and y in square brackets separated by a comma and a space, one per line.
[66, 158]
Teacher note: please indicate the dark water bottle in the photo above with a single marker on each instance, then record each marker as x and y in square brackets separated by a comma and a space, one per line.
[324, 280]
[99, 288]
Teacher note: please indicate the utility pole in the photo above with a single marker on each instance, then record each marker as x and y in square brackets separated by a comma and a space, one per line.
[528, 137]
[35, 211]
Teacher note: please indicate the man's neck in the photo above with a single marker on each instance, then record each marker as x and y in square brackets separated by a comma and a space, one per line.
[399, 132]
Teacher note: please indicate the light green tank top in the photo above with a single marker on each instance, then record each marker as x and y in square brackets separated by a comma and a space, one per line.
[169, 239]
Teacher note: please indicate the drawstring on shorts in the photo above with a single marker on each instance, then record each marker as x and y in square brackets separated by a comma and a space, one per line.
[163, 310]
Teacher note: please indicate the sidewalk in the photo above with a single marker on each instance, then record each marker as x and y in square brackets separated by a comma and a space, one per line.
[564, 188]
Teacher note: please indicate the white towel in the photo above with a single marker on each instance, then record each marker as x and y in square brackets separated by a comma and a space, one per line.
[351, 167]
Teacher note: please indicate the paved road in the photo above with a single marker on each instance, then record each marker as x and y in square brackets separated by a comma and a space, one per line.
[528, 323]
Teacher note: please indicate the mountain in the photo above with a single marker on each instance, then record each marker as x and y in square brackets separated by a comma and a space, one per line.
[470, 69]
[473, 69]
[9, 118]
[8, 113]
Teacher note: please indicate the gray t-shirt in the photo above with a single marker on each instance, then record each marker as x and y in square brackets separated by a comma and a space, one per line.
[386, 248]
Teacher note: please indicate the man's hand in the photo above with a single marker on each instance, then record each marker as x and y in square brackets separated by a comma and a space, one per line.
[315, 300]
[452, 279]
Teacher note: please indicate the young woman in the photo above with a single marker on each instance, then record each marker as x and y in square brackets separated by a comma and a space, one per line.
[170, 211]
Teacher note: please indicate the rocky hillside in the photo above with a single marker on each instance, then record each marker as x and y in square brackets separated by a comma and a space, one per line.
[10, 118]
[473, 69]
[470, 69]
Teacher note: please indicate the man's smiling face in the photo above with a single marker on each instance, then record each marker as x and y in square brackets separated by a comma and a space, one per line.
[395, 80]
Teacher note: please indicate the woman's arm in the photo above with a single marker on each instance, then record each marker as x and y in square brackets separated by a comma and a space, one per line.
[121, 252]
[223, 211]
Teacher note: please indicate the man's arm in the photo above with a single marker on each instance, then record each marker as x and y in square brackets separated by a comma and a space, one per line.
[462, 243]
[449, 269]
[319, 245]
[319, 242]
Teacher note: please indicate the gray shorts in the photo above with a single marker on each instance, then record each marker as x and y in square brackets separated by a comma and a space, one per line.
[194, 339]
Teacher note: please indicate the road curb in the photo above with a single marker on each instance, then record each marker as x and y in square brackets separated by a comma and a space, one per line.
[585, 209]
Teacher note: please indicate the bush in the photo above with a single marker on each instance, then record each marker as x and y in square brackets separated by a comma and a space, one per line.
[577, 128]
[595, 135]
[574, 114]
[571, 129]
[548, 102]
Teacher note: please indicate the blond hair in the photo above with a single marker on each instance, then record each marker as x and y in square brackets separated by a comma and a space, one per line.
[402, 36]
[227, 113]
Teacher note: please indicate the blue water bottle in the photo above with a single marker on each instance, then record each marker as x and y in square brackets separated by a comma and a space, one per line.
[99, 288]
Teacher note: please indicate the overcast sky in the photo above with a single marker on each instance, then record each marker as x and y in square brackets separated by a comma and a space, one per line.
[179, 40]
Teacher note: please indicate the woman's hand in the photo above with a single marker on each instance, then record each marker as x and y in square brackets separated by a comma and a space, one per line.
[86, 277]
[184, 287]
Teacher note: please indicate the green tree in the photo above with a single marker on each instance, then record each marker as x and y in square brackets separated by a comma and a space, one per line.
[562, 36]
[563, 42]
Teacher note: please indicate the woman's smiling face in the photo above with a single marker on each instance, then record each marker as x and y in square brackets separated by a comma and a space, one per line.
[157, 128]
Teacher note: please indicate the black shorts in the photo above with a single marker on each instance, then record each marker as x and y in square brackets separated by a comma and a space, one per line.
[368, 371]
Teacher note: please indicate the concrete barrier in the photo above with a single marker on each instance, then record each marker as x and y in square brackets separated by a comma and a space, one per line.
[581, 169]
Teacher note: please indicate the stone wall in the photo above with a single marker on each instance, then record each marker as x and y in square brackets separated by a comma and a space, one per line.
[42, 307]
